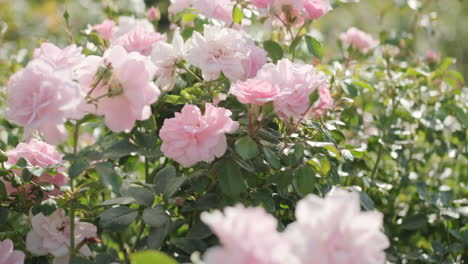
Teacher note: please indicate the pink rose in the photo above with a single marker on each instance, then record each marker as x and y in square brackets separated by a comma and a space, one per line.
[257, 92]
[261, 3]
[323, 103]
[191, 137]
[333, 230]
[139, 40]
[105, 29]
[224, 50]
[296, 82]
[359, 40]
[316, 8]
[153, 14]
[247, 235]
[38, 154]
[127, 24]
[432, 56]
[8, 255]
[40, 98]
[219, 9]
[128, 94]
[254, 62]
[68, 58]
[51, 235]
[179, 5]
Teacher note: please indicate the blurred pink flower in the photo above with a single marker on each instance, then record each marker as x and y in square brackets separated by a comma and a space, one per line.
[153, 14]
[224, 50]
[191, 137]
[68, 58]
[247, 236]
[139, 40]
[333, 230]
[219, 98]
[39, 154]
[105, 29]
[128, 94]
[179, 5]
[253, 63]
[261, 3]
[316, 8]
[359, 40]
[219, 9]
[296, 83]
[432, 56]
[40, 98]
[8, 255]
[257, 92]
[165, 57]
[51, 235]
[127, 24]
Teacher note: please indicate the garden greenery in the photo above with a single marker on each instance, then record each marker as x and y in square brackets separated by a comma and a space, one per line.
[232, 136]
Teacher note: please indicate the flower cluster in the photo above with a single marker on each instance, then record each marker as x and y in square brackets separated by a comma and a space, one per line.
[39, 154]
[330, 230]
[191, 137]
[51, 235]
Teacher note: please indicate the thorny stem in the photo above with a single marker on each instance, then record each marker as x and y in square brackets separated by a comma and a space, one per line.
[191, 72]
[76, 134]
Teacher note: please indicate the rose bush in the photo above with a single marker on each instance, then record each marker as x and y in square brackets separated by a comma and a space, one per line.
[232, 132]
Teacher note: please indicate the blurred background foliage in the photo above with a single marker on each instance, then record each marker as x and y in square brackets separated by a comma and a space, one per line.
[427, 24]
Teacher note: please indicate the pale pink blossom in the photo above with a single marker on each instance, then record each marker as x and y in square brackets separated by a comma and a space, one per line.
[254, 62]
[8, 255]
[139, 40]
[165, 57]
[105, 29]
[179, 5]
[316, 8]
[296, 83]
[432, 56]
[224, 50]
[359, 40]
[128, 94]
[38, 154]
[333, 230]
[153, 14]
[51, 235]
[67, 58]
[247, 236]
[261, 3]
[41, 98]
[127, 24]
[257, 92]
[219, 9]
[191, 137]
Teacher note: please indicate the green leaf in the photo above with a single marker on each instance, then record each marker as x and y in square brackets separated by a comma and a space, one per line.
[459, 114]
[414, 222]
[120, 149]
[108, 176]
[246, 147]
[157, 236]
[264, 198]
[314, 46]
[151, 257]
[274, 50]
[231, 180]
[141, 195]
[304, 180]
[237, 14]
[366, 201]
[155, 217]
[117, 219]
[79, 260]
[119, 200]
[313, 97]
[294, 44]
[271, 158]
[3, 214]
[167, 183]
[78, 167]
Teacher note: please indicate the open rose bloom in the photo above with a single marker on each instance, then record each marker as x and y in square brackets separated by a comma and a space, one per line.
[39, 154]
